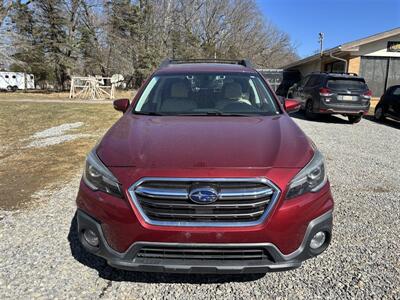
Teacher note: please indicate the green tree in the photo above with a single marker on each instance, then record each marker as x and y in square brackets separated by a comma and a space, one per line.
[29, 56]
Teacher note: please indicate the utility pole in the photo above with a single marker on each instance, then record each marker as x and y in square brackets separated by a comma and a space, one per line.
[321, 48]
[321, 43]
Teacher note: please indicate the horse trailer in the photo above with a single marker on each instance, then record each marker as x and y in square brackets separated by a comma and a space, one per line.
[12, 81]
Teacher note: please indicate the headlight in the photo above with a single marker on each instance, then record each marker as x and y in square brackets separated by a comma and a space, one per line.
[98, 177]
[310, 179]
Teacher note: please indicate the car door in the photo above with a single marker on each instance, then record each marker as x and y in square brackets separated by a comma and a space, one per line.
[298, 92]
[394, 102]
[307, 92]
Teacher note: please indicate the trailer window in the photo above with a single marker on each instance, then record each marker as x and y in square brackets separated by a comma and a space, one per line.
[14, 76]
[6, 76]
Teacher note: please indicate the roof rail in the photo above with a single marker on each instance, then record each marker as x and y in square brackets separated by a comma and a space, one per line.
[243, 62]
[343, 73]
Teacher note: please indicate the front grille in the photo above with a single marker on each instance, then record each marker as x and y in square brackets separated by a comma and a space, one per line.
[166, 201]
[202, 253]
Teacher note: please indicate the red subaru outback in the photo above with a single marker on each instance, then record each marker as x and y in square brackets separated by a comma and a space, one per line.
[205, 173]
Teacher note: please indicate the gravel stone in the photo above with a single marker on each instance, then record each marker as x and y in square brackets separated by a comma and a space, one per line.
[41, 257]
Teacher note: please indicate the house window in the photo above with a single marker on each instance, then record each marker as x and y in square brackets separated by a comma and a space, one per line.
[335, 67]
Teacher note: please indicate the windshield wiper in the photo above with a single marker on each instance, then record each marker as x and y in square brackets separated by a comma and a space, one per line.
[214, 113]
[148, 113]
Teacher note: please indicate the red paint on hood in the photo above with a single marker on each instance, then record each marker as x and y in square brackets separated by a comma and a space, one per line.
[205, 142]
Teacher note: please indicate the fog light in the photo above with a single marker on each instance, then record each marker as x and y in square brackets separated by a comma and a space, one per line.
[318, 240]
[91, 238]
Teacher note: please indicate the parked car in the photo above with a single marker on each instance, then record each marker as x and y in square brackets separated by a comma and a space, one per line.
[333, 93]
[205, 172]
[389, 104]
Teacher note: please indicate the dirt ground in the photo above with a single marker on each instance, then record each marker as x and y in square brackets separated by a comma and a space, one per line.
[27, 165]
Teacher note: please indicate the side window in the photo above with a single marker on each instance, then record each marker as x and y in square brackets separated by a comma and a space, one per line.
[312, 81]
[303, 82]
[144, 97]
[257, 98]
[396, 91]
[14, 76]
[6, 76]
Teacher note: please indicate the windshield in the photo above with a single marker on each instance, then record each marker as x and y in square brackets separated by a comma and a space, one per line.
[206, 94]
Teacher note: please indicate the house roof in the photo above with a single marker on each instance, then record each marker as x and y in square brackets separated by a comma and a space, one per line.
[350, 46]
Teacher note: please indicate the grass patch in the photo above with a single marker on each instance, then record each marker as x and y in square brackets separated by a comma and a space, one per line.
[24, 171]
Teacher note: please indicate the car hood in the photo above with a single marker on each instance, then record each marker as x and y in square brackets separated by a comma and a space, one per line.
[205, 142]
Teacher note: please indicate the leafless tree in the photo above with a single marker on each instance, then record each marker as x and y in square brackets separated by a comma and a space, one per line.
[132, 36]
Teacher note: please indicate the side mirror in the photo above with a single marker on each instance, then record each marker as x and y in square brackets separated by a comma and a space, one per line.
[292, 106]
[121, 104]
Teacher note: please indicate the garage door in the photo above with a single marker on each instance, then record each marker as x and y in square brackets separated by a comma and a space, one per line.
[380, 73]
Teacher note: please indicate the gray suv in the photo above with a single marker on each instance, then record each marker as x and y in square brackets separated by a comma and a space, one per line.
[332, 93]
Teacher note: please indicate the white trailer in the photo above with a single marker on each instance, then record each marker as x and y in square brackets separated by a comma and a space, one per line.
[12, 81]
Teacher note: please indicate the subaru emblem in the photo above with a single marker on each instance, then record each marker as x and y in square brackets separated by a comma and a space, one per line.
[203, 195]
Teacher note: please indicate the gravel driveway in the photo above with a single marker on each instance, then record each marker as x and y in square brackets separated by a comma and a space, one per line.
[41, 258]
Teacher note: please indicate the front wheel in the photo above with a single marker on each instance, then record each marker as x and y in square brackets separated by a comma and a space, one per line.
[379, 113]
[354, 119]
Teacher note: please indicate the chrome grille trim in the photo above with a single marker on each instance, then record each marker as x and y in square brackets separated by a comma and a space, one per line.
[161, 195]
[184, 194]
[238, 193]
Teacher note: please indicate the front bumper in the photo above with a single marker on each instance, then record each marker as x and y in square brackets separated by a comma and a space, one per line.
[275, 260]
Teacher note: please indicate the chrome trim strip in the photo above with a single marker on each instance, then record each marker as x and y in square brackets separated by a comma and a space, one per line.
[249, 194]
[274, 199]
[162, 193]
[224, 194]
[213, 205]
[199, 215]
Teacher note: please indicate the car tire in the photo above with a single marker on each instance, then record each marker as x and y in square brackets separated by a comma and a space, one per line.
[14, 88]
[379, 113]
[9, 88]
[310, 115]
[354, 119]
